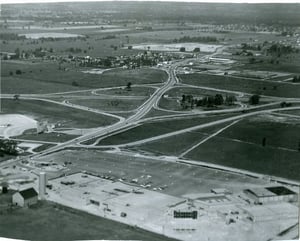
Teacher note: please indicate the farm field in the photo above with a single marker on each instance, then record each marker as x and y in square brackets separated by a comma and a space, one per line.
[231, 37]
[98, 43]
[189, 47]
[250, 157]
[280, 132]
[151, 129]
[55, 114]
[50, 35]
[289, 64]
[243, 85]
[50, 221]
[46, 78]
[240, 146]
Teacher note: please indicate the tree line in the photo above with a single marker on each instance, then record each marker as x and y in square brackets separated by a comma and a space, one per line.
[188, 101]
[205, 39]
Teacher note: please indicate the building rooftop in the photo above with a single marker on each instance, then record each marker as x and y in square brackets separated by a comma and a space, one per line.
[28, 193]
[280, 190]
[260, 192]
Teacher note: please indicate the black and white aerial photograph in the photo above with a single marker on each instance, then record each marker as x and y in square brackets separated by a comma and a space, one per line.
[149, 120]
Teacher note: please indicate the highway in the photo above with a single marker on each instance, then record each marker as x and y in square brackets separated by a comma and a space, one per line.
[141, 112]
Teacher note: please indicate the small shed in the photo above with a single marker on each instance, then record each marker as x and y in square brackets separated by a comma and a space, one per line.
[25, 198]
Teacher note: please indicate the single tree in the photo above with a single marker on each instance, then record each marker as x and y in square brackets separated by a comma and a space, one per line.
[264, 141]
[219, 99]
[254, 100]
[128, 87]
[16, 97]
[18, 72]
[230, 99]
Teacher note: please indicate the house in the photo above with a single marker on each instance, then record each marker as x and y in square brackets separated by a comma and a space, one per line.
[25, 198]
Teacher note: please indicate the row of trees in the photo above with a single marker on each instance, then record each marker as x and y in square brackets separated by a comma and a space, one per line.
[188, 101]
[280, 49]
[38, 52]
[205, 39]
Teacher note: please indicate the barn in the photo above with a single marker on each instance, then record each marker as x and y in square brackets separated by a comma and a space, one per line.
[25, 198]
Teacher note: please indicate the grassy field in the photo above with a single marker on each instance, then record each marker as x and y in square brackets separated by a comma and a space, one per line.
[60, 115]
[291, 112]
[240, 146]
[45, 77]
[49, 221]
[151, 129]
[243, 85]
[172, 146]
[176, 145]
[195, 92]
[170, 104]
[289, 63]
[135, 91]
[94, 46]
[155, 113]
[169, 35]
[248, 156]
[109, 104]
[280, 132]
[43, 147]
[50, 137]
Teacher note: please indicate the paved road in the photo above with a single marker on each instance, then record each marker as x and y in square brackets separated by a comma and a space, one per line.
[141, 112]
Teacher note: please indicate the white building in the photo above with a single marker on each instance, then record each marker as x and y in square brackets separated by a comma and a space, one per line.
[42, 185]
[25, 198]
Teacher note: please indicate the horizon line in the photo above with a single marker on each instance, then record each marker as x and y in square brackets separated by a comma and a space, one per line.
[4, 2]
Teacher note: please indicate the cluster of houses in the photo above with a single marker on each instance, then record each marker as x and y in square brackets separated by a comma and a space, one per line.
[147, 58]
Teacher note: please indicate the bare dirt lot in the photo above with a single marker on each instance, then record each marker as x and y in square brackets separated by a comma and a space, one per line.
[14, 124]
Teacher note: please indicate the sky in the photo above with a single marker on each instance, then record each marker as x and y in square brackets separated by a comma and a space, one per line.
[222, 1]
